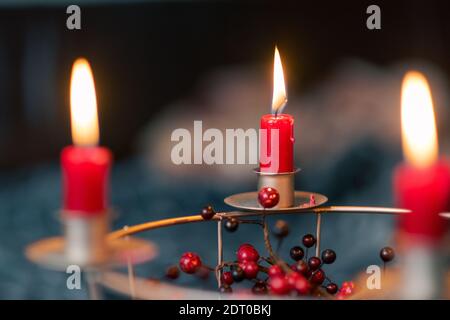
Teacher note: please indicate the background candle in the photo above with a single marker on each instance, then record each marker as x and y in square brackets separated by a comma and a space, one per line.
[422, 184]
[276, 155]
[85, 166]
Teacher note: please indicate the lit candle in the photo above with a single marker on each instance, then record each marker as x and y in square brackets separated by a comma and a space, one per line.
[85, 165]
[422, 184]
[277, 136]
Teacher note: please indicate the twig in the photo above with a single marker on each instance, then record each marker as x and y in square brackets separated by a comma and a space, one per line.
[279, 243]
[268, 245]
[268, 260]
[251, 222]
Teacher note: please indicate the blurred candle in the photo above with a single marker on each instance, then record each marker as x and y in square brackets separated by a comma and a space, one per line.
[85, 165]
[277, 144]
[422, 184]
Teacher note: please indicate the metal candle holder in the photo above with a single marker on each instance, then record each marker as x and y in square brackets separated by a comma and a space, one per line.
[282, 182]
[145, 289]
[85, 237]
[83, 240]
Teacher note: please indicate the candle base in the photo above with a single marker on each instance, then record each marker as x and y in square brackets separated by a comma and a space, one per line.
[85, 238]
[284, 183]
[423, 273]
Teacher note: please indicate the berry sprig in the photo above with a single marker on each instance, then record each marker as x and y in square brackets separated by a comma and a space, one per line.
[271, 274]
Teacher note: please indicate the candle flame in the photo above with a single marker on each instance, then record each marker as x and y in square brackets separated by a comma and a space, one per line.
[279, 89]
[419, 134]
[83, 105]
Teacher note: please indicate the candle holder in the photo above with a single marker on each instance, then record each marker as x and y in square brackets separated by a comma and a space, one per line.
[88, 244]
[120, 248]
[85, 237]
[141, 288]
[282, 182]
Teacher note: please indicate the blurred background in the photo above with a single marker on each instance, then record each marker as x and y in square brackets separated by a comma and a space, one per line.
[160, 65]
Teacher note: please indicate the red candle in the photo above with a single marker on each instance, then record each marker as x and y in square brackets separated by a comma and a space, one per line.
[277, 129]
[85, 165]
[422, 184]
[277, 145]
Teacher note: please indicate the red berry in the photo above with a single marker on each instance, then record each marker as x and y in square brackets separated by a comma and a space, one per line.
[190, 262]
[275, 270]
[227, 278]
[308, 240]
[340, 296]
[348, 284]
[247, 252]
[279, 285]
[299, 283]
[346, 291]
[268, 197]
[318, 277]
[300, 267]
[292, 277]
[332, 288]
[314, 263]
[250, 269]
[347, 288]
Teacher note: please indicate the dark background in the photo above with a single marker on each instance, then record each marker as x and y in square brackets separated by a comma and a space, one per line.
[146, 55]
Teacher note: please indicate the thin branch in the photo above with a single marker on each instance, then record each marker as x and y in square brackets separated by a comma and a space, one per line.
[268, 245]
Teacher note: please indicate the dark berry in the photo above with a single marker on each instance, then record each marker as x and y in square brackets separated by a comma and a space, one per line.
[203, 273]
[238, 274]
[275, 270]
[328, 256]
[387, 254]
[231, 225]
[279, 285]
[247, 252]
[190, 262]
[268, 197]
[172, 272]
[308, 240]
[227, 278]
[332, 288]
[259, 288]
[225, 289]
[297, 253]
[318, 277]
[301, 267]
[314, 263]
[208, 213]
[250, 268]
[281, 229]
